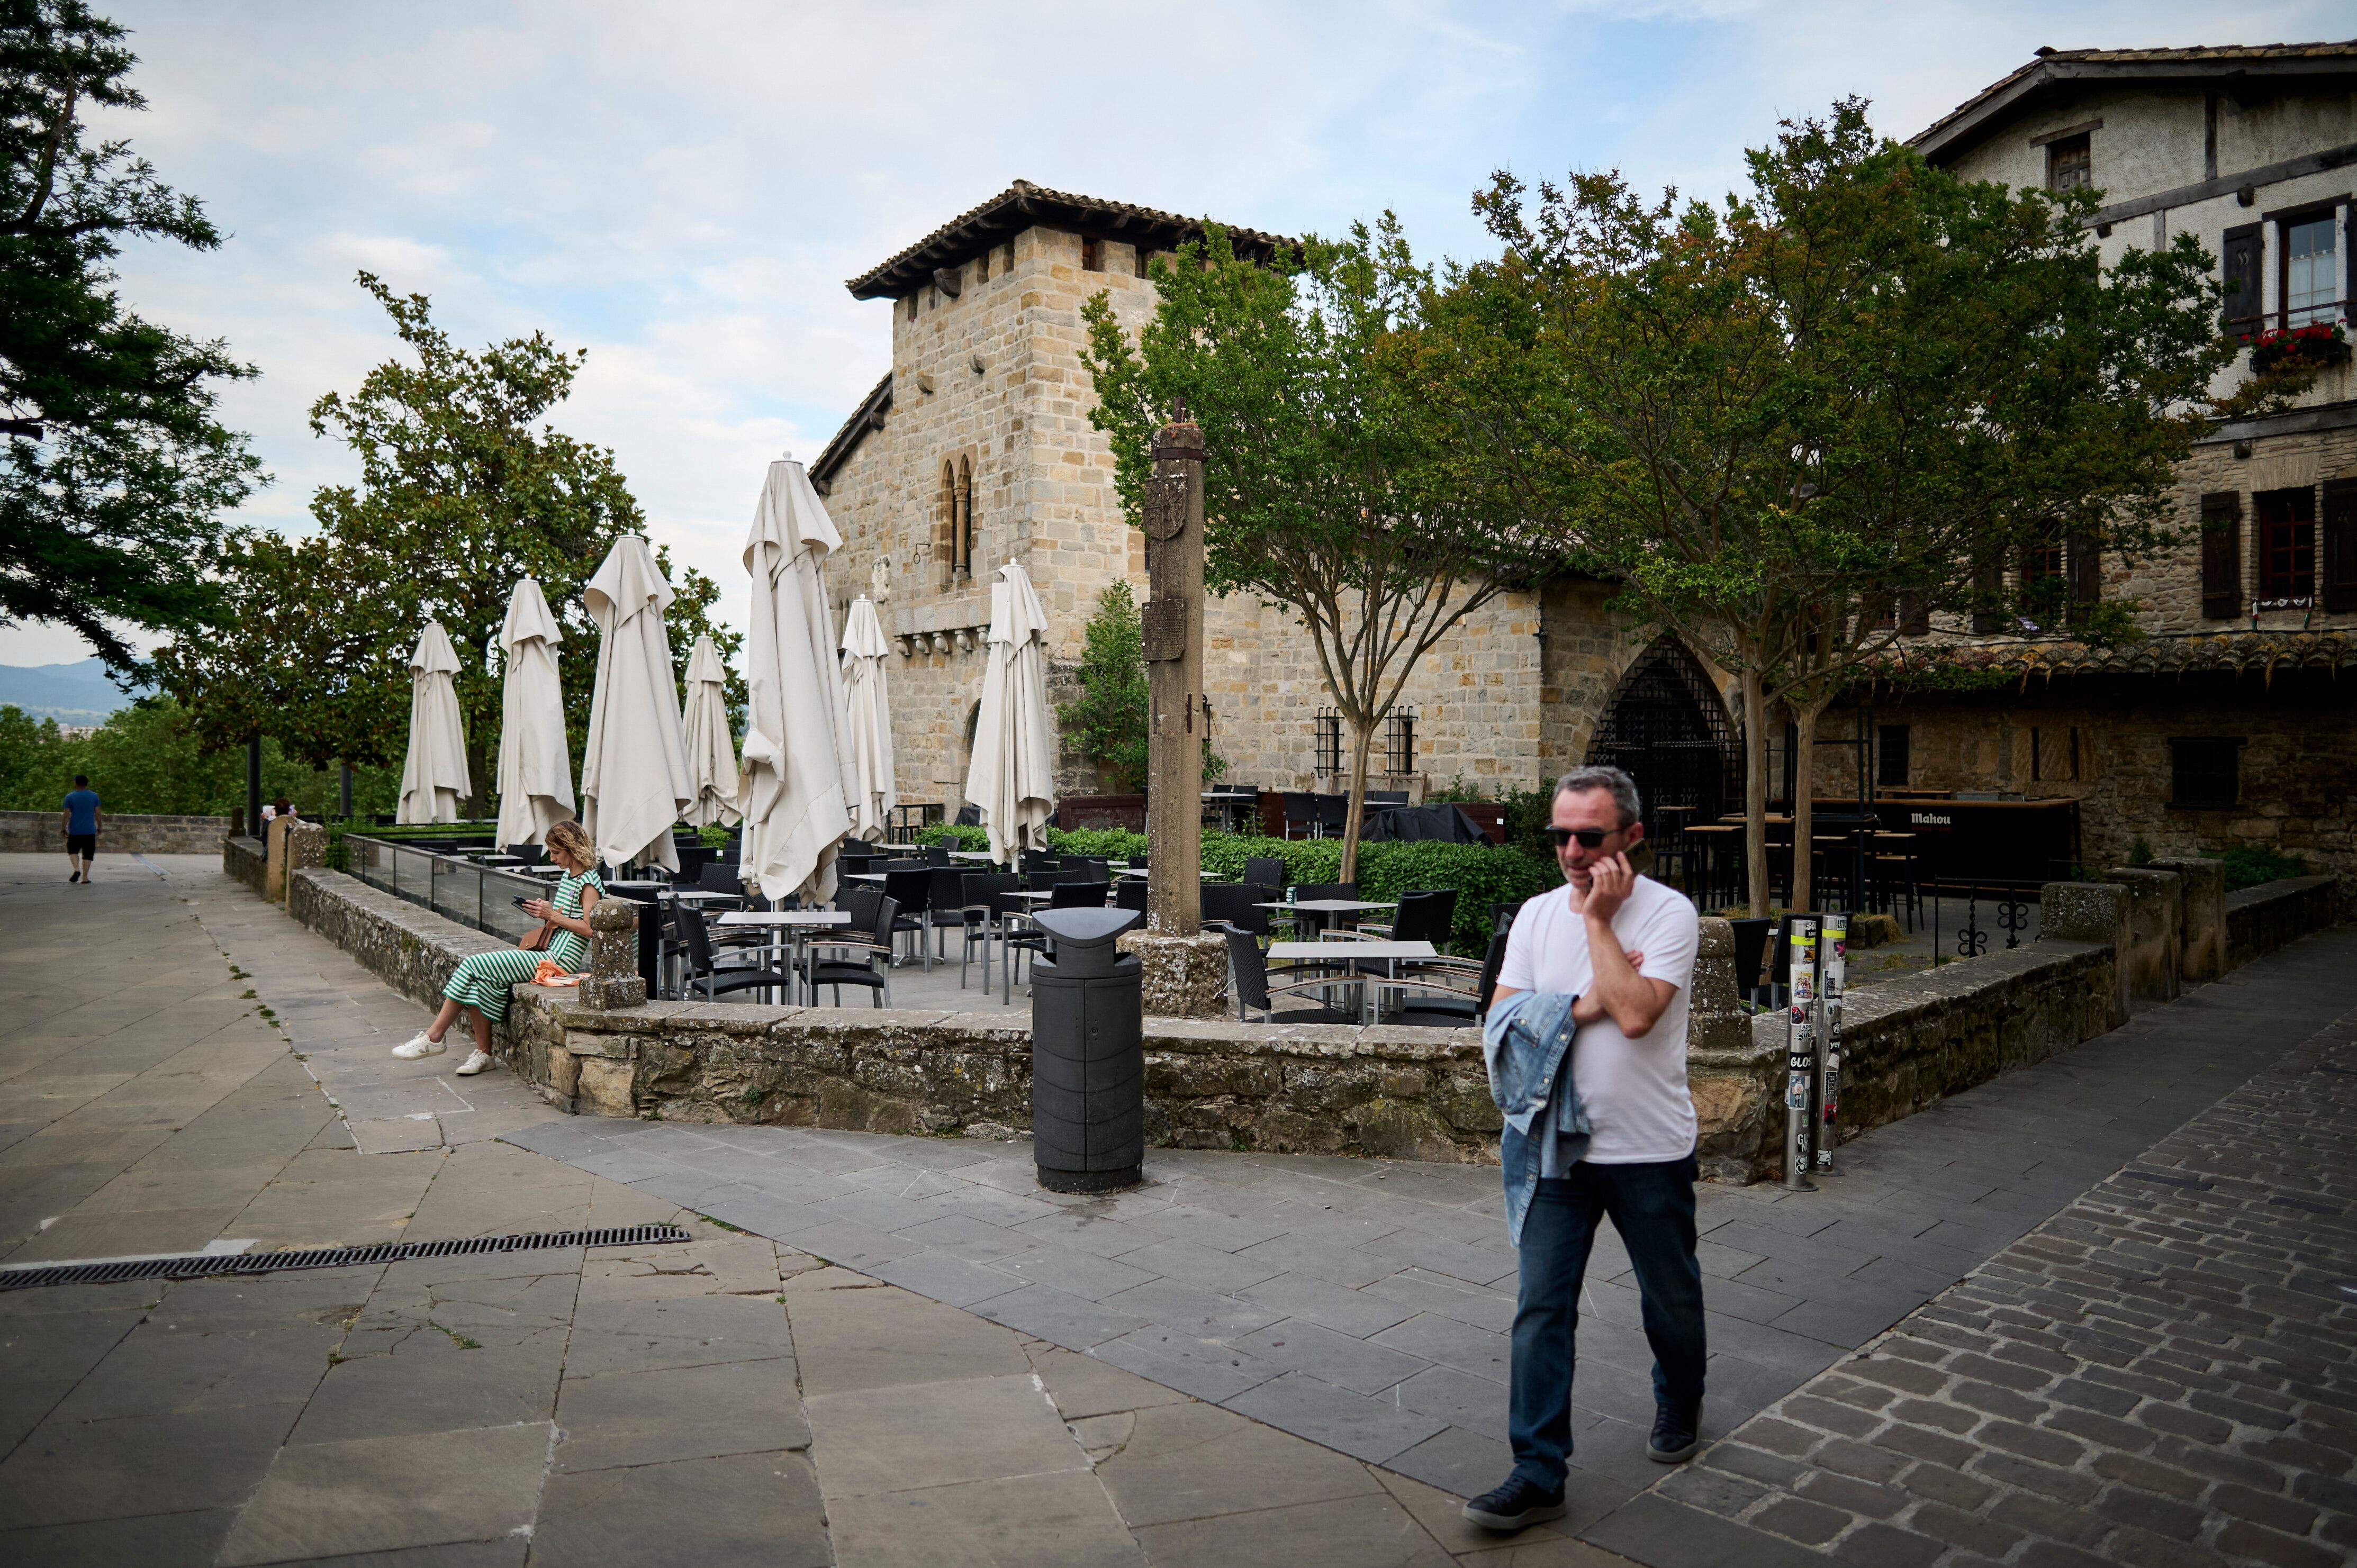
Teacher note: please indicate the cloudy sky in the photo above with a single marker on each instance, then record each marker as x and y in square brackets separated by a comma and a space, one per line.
[682, 189]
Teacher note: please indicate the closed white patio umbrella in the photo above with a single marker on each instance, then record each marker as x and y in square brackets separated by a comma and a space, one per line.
[874, 793]
[535, 769]
[1011, 777]
[434, 777]
[711, 748]
[797, 780]
[634, 775]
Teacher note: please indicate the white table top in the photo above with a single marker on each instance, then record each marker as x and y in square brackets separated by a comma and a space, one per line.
[969, 854]
[904, 848]
[1341, 951]
[1330, 906]
[786, 918]
[705, 897]
[863, 877]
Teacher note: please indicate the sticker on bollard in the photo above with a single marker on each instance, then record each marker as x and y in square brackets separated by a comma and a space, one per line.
[1834, 985]
[1800, 1054]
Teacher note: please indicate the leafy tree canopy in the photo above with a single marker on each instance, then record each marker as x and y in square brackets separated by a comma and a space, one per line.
[464, 490]
[1108, 720]
[1801, 425]
[1327, 483]
[114, 471]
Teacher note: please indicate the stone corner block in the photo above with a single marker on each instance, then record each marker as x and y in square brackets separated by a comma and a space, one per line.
[1185, 976]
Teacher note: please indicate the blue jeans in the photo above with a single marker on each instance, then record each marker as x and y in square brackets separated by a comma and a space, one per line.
[1652, 1207]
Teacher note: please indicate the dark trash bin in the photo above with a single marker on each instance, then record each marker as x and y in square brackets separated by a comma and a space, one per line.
[1088, 1055]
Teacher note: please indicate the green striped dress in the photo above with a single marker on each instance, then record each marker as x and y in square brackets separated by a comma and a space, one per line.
[483, 979]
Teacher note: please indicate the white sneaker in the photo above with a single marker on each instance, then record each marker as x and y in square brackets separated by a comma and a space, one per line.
[474, 1064]
[418, 1047]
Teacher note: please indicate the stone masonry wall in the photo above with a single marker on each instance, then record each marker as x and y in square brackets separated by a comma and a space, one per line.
[992, 381]
[1382, 1090]
[38, 832]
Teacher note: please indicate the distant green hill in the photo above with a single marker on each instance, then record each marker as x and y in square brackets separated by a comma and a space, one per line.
[70, 693]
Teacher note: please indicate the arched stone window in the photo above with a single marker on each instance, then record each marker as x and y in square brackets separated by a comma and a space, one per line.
[962, 526]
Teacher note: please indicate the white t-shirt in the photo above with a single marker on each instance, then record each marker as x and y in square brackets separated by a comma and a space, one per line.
[1633, 1090]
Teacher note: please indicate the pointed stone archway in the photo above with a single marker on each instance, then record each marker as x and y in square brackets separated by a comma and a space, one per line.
[1667, 728]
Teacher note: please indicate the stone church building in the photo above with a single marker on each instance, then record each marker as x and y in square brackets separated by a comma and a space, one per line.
[976, 449]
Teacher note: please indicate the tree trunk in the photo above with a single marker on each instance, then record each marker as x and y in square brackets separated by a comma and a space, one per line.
[1755, 788]
[1804, 792]
[1361, 739]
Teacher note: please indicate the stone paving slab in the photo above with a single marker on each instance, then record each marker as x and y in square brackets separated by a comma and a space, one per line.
[729, 1400]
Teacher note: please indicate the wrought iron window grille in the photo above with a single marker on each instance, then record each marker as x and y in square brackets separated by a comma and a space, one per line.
[1399, 742]
[1328, 733]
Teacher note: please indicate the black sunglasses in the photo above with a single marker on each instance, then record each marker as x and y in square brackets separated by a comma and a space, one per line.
[1589, 838]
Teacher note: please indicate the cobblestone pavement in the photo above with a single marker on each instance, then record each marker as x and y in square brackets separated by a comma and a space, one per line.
[2160, 1374]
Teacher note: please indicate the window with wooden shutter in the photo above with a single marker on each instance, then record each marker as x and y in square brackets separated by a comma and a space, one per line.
[2340, 576]
[1988, 593]
[2086, 569]
[2221, 555]
[2238, 263]
[2285, 543]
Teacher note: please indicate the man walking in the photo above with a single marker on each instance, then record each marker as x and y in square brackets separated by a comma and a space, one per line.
[1611, 1133]
[80, 819]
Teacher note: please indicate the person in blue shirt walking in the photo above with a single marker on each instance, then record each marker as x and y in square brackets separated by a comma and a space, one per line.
[80, 819]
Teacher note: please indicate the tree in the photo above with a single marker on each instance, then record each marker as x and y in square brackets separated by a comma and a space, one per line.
[1323, 477]
[115, 470]
[463, 491]
[1801, 426]
[1109, 718]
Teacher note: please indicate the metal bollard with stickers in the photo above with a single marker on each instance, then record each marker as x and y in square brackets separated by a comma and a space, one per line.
[1800, 1054]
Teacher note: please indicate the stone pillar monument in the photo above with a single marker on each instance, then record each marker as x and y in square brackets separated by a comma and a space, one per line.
[1185, 968]
[613, 980]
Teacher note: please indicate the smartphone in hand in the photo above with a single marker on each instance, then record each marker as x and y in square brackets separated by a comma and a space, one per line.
[520, 903]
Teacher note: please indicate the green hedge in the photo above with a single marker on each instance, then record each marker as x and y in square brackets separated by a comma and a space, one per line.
[1482, 873]
[2248, 865]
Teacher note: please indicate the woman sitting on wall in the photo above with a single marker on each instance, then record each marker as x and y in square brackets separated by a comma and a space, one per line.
[482, 983]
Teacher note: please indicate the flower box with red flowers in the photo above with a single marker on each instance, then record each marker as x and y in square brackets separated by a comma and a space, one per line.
[2310, 347]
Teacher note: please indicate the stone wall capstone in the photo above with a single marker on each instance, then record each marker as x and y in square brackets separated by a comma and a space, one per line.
[38, 833]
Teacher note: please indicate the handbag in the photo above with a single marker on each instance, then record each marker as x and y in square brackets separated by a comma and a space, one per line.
[537, 940]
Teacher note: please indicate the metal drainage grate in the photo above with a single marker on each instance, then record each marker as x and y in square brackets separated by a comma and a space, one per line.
[199, 1266]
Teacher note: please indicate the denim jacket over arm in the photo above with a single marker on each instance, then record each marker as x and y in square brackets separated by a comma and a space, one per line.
[1524, 1043]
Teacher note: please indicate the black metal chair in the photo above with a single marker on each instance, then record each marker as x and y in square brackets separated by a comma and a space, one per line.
[1129, 893]
[1751, 948]
[1333, 815]
[1037, 862]
[937, 854]
[1233, 905]
[703, 966]
[1442, 1007]
[1318, 921]
[720, 878]
[1425, 915]
[1301, 812]
[978, 917]
[527, 853]
[969, 815]
[910, 887]
[1264, 869]
[1255, 990]
[869, 943]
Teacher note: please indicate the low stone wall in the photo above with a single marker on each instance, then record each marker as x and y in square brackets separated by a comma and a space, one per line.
[244, 859]
[1385, 1090]
[1909, 1041]
[35, 832]
[2153, 957]
[2262, 919]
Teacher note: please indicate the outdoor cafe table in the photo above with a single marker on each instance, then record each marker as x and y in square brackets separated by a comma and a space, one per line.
[1327, 908]
[1385, 953]
[969, 854]
[793, 924]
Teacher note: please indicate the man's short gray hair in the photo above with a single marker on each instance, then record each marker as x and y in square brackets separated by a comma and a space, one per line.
[1622, 789]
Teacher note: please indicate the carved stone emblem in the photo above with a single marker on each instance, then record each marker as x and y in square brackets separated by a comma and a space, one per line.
[1165, 507]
